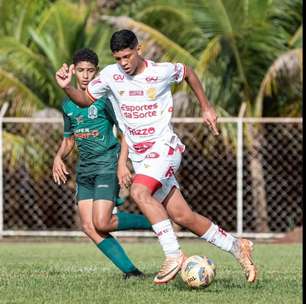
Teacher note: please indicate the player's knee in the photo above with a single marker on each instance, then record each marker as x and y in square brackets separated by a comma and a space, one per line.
[139, 194]
[102, 226]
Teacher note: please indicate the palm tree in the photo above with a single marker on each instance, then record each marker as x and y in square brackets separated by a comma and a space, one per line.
[45, 36]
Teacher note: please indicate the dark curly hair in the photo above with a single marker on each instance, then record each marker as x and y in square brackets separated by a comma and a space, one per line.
[85, 54]
[122, 40]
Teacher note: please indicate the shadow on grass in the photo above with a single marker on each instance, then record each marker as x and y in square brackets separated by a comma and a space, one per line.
[220, 285]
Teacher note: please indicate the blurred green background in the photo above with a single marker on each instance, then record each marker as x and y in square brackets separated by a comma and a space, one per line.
[246, 52]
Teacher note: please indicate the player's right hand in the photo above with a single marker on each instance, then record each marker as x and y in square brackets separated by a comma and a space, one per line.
[59, 171]
[64, 75]
[124, 176]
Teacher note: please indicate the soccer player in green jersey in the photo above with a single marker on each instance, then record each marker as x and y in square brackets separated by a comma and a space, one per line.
[91, 129]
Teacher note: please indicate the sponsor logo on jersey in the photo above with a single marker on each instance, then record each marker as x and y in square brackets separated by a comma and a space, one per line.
[137, 112]
[153, 155]
[170, 172]
[86, 133]
[151, 78]
[79, 119]
[136, 93]
[121, 93]
[96, 81]
[152, 93]
[141, 132]
[92, 112]
[176, 69]
[142, 147]
[118, 77]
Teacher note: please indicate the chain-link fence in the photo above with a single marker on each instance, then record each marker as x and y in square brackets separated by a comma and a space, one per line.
[248, 179]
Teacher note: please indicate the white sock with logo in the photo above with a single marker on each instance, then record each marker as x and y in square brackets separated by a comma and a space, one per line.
[167, 238]
[218, 237]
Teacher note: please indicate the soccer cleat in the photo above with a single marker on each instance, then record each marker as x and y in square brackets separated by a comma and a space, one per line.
[169, 269]
[134, 274]
[243, 252]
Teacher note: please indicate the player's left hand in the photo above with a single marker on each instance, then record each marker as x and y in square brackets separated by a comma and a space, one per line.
[59, 171]
[210, 118]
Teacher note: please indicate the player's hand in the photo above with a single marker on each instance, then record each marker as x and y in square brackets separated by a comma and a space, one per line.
[210, 118]
[64, 75]
[124, 176]
[59, 171]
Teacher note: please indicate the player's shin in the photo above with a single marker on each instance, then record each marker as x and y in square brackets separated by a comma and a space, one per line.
[113, 250]
[167, 238]
[174, 256]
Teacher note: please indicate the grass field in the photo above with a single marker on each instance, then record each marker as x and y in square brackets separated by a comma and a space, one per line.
[77, 273]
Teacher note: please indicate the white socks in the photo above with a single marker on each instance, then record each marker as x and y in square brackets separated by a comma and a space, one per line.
[167, 238]
[217, 236]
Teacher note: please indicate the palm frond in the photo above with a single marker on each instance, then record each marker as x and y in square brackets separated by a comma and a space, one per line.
[283, 77]
[297, 38]
[21, 154]
[209, 54]
[150, 34]
[23, 100]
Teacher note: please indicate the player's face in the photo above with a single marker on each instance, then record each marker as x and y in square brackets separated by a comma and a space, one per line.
[129, 60]
[85, 71]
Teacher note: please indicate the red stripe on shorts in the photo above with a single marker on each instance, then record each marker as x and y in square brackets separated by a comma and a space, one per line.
[151, 183]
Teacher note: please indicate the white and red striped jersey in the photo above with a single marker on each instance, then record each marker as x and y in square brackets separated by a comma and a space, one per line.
[143, 103]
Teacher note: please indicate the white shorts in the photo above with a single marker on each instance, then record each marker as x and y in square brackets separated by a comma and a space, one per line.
[160, 165]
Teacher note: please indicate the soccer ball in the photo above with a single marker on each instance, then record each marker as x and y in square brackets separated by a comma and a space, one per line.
[198, 271]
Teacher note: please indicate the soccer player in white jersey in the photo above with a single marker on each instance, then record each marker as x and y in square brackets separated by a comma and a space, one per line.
[140, 92]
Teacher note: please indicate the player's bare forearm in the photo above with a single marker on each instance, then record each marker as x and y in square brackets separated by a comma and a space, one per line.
[208, 112]
[124, 152]
[123, 172]
[196, 86]
[65, 148]
[59, 170]
[78, 96]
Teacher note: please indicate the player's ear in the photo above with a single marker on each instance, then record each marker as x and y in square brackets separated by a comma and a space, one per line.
[139, 49]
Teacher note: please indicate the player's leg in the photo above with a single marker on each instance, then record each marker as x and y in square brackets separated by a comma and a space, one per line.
[105, 199]
[108, 245]
[141, 191]
[180, 213]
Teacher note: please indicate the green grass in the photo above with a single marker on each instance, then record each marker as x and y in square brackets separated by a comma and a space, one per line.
[77, 273]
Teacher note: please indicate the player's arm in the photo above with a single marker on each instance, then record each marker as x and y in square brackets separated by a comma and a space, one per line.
[123, 172]
[63, 78]
[59, 170]
[208, 112]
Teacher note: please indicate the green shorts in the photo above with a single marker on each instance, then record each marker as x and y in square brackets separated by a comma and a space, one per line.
[98, 187]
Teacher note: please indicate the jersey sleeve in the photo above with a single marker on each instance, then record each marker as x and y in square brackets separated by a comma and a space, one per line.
[67, 126]
[98, 87]
[177, 72]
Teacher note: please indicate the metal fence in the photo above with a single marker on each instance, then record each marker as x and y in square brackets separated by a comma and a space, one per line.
[248, 179]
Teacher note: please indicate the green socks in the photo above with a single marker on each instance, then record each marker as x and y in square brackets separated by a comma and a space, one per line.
[128, 221]
[113, 250]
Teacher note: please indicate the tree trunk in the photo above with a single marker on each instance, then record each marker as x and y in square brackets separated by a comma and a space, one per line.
[258, 182]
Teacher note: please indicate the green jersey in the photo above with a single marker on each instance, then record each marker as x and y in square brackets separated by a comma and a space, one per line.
[92, 128]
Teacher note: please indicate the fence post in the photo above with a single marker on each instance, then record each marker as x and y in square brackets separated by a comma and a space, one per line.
[2, 113]
[239, 176]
